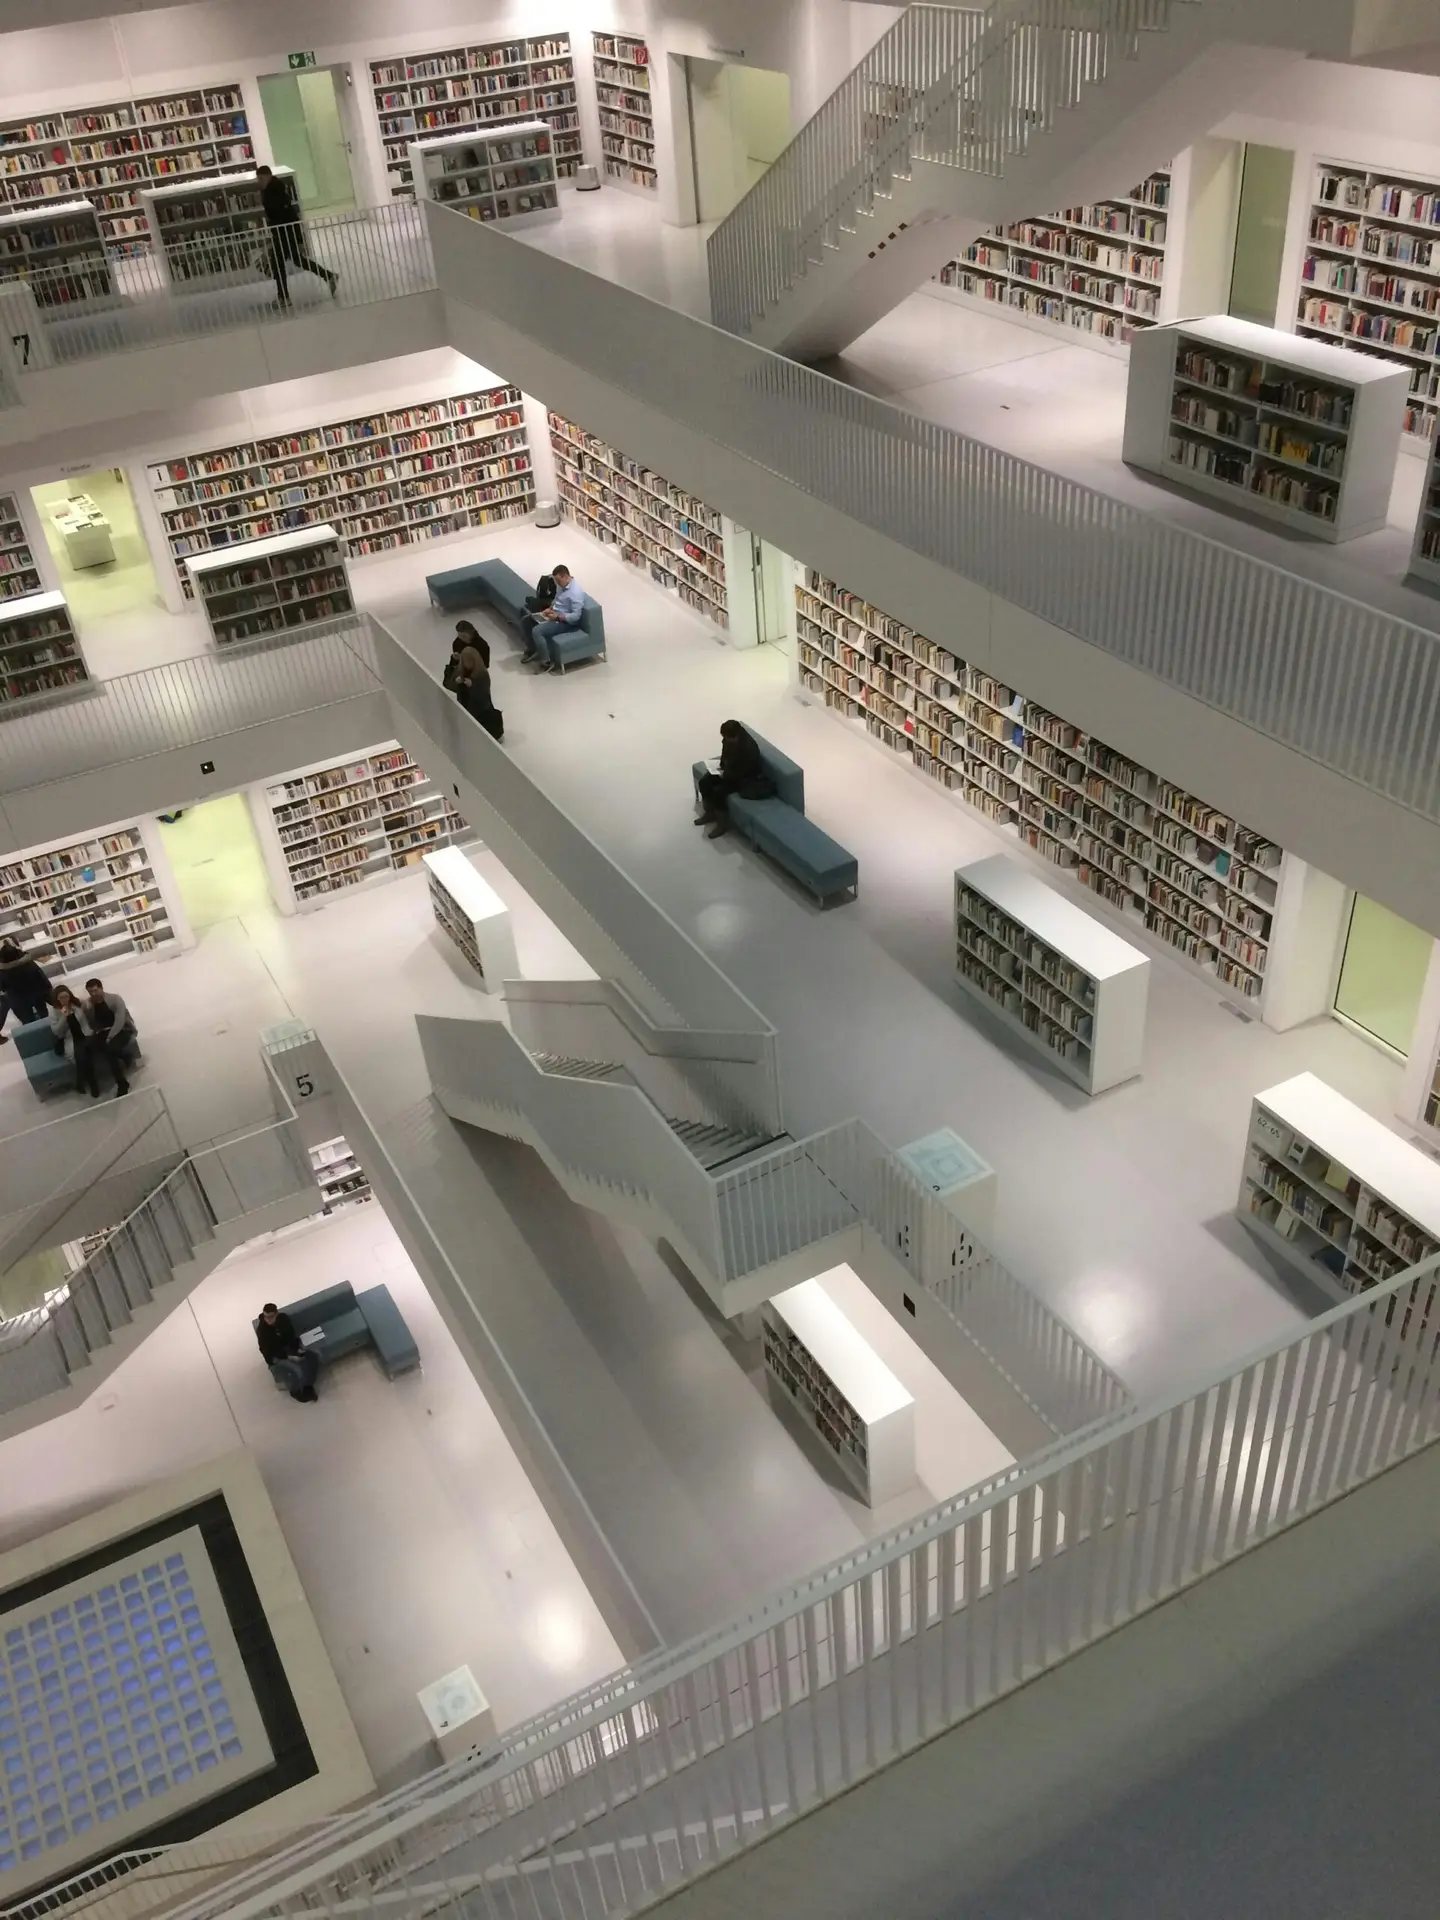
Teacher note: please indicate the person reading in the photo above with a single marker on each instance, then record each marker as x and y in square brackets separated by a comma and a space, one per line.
[740, 770]
[283, 1351]
[565, 611]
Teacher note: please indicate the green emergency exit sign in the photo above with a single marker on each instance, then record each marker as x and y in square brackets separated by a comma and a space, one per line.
[302, 59]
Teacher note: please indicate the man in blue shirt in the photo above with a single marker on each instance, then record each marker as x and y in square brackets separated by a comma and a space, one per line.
[565, 611]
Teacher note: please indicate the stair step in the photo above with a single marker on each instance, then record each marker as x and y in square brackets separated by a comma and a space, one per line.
[715, 1146]
[571, 1067]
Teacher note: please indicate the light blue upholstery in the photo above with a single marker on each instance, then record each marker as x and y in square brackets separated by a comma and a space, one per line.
[350, 1322]
[46, 1070]
[585, 642]
[394, 1343]
[778, 827]
[484, 583]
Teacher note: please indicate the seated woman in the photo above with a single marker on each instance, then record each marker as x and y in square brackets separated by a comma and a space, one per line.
[472, 690]
[465, 636]
[741, 771]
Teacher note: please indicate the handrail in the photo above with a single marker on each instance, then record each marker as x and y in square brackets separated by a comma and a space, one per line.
[1346, 684]
[957, 88]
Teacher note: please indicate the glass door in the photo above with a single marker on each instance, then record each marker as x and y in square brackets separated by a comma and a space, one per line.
[1382, 975]
[1260, 233]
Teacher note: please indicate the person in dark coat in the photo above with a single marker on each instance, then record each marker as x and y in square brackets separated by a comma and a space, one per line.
[465, 636]
[281, 1346]
[289, 245]
[24, 987]
[472, 690]
[741, 771]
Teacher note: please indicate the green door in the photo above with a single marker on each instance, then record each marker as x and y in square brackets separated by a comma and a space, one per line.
[304, 120]
[1383, 974]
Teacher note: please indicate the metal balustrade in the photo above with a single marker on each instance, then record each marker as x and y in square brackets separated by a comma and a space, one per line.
[185, 702]
[965, 89]
[615, 1799]
[213, 285]
[1346, 684]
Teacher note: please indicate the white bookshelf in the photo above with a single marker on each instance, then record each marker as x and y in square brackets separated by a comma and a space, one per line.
[472, 914]
[209, 229]
[381, 480]
[1053, 974]
[1338, 1195]
[59, 248]
[1286, 428]
[339, 1175]
[1425, 551]
[1097, 270]
[462, 89]
[19, 575]
[343, 822]
[1371, 274]
[1177, 869]
[627, 119]
[40, 656]
[265, 587]
[506, 176]
[818, 1360]
[106, 154]
[656, 525]
[91, 902]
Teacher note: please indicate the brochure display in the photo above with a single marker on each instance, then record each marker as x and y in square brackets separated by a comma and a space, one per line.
[464, 89]
[19, 575]
[87, 902]
[212, 229]
[59, 248]
[627, 122]
[474, 916]
[279, 585]
[339, 1175]
[1286, 428]
[818, 1361]
[507, 176]
[40, 653]
[956, 1175]
[460, 1718]
[1058, 978]
[1337, 1194]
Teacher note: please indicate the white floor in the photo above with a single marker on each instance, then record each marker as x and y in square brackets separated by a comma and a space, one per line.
[420, 1542]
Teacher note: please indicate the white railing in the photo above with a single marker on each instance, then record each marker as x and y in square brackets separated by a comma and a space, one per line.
[45, 1167]
[1349, 685]
[956, 88]
[727, 1078]
[110, 302]
[812, 1188]
[136, 715]
[612, 1801]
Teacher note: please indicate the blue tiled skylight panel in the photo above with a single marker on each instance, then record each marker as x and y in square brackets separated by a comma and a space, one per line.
[121, 1697]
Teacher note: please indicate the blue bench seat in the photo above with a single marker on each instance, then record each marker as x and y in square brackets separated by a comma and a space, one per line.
[349, 1321]
[484, 583]
[394, 1343]
[804, 850]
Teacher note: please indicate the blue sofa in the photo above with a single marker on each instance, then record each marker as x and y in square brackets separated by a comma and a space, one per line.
[493, 584]
[347, 1322]
[46, 1070]
[587, 642]
[778, 827]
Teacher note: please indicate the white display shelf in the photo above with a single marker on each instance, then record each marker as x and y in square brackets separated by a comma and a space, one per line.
[1371, 275]
[210, 229]
[656, 525]
[1058, 978]
[381, 480]
[87, 902]
[841, 1387]
[474, 916]
[1345, 1200]
[460, 1718]
[40, 656]
[507, 176]
[952, 1170]
[107, 154]
[1283, 427]
[342, 822]
[19, 575]
[59, 248]
[627, 120]
[1097, 270]
[1187, 876]
[279, 585]
[338, 1174]
[464, 89]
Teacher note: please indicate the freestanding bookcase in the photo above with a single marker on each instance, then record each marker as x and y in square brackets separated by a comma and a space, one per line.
[1335, 1193]
[1425, 554]
[818, 1361]
[208, 229]
[39, 650]
[1063, 982]
[272, 586]
[1284, 427]
[60, 250]
[470, 911]
[503, 175]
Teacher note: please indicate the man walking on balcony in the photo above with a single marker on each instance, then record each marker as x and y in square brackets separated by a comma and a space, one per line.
[286, 235]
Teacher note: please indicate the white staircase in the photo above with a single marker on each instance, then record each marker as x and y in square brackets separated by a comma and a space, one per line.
[958, 119]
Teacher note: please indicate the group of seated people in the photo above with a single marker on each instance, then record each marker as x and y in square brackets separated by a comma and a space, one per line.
[86, 1031]
[555, 607]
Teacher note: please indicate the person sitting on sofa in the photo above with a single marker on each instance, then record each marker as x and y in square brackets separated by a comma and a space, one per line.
[465, 636]
[24, 988]
[112, 1029]
[472, 690]
[741, 770]
[70, 1025]
[283, 1352]
[565, 612]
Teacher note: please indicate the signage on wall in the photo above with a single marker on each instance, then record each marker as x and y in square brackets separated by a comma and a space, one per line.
[302, 59]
